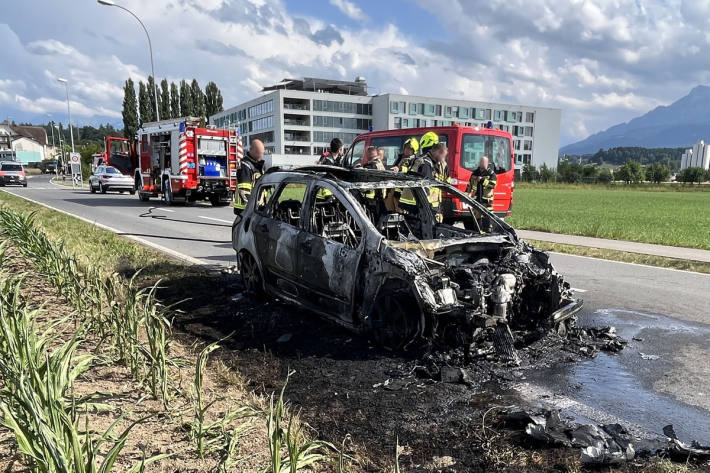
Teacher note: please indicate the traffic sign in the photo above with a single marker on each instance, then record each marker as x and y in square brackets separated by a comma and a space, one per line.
[75, 158]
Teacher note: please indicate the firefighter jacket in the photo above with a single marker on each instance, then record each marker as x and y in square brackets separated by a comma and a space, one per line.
[481, 186]
[249, 171]
[328, 159]
[403, 162]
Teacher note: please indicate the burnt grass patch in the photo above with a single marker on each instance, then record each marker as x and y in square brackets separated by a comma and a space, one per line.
[443, 413]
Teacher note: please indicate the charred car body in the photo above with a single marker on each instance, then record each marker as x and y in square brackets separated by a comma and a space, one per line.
[337, 242]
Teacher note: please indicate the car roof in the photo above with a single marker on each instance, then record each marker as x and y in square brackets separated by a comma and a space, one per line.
[352, 178]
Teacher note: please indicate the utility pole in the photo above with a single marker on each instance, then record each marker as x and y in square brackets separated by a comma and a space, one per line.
[71, 131]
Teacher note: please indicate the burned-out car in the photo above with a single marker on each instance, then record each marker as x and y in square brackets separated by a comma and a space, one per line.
[343, 243]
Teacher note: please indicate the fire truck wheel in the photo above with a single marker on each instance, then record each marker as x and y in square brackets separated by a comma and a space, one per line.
[142, 197]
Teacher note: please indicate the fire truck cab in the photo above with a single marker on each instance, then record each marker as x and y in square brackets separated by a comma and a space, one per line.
[182, 162]
[117, 153]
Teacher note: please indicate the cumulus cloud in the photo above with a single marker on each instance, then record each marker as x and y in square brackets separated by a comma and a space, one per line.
[349, 9]
[601, 61]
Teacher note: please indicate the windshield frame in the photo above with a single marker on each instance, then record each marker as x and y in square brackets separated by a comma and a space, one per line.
[12, 167]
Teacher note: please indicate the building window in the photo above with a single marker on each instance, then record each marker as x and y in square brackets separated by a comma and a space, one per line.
[527, 145]
[343, 107]
[397, 122]
[526, 159]
[327, 136]
[480, 113]
[464, 112]
[528, 131]
[447, 111]
[394, 107]
[406, 122]
[413, 108]
[342, 122]
[261, 124]
[498, 115]
[261, 109]
[438, 110]
[530, 117]
[430, 110]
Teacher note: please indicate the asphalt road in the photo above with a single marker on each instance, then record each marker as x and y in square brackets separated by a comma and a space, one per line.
[662, 376]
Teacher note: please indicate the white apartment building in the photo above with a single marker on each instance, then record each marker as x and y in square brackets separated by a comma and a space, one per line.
[696, 157]
[301, 116]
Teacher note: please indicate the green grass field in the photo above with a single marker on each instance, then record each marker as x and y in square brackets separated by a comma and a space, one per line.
[644, 215]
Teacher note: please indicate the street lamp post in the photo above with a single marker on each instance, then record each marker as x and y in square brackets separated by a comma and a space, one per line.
[71, 130]
[111, 3]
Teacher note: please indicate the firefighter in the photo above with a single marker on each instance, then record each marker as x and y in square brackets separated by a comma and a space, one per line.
[251, 169]
[480, 187]
[374, 159]
[333, 156]
[424, 164]
[404, 159]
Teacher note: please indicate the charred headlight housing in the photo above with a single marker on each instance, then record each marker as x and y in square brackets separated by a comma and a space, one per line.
[437, 292]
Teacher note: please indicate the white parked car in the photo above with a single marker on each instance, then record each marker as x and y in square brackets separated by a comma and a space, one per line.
[108, 178]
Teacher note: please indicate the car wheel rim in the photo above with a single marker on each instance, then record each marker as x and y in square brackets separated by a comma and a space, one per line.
[391, 327]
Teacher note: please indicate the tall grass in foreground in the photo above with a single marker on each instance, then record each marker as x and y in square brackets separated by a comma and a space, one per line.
[301, 452]
[35, 394]
[118, 313]
[220, 435]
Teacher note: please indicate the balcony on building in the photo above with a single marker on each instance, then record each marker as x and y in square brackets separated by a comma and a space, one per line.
[297, 135]
[296, 120]
[301, 150]
[297, 105]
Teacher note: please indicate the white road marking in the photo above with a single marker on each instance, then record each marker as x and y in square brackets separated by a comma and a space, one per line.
[574, 289]
[216, 219]
[162, 209]
[142, 241]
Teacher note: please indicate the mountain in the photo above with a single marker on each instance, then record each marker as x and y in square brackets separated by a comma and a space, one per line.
[679, 124]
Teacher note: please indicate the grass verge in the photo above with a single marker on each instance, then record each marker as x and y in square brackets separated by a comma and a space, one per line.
[93, 246]
[615, 255]
[615, 212]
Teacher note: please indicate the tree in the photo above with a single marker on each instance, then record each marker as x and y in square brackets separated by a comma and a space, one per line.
[185, 99]
[130, 110]
[546, 174]
[213, 99]
[658, 172]
[692, 174]
[529, 174]
[164, 99]
[198, 99]
[630, 172]
[145, 108]
[153, 98]
[605, 176]
[174, 101]
[590, 173]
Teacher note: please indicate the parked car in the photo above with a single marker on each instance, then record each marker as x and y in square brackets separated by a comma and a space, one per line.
[106, 178]
[12, 173]
[337, 242]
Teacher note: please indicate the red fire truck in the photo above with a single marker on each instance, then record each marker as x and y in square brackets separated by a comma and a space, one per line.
[466, 147]
[117, 153]
[182, 162]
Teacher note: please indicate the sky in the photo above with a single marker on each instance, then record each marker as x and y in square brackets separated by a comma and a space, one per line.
[602, 62]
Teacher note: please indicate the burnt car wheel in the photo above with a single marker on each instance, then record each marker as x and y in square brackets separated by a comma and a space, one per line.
[396, 319]
[251, 275]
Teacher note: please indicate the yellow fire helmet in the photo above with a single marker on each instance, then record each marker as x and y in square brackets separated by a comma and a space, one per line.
[414, 143]
[428, 140]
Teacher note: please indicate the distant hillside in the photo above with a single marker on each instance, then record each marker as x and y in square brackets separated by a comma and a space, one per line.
[677, 125]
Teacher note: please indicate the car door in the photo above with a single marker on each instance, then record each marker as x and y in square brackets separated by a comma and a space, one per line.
[276, 237]
[330, 248]
[94, 178]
